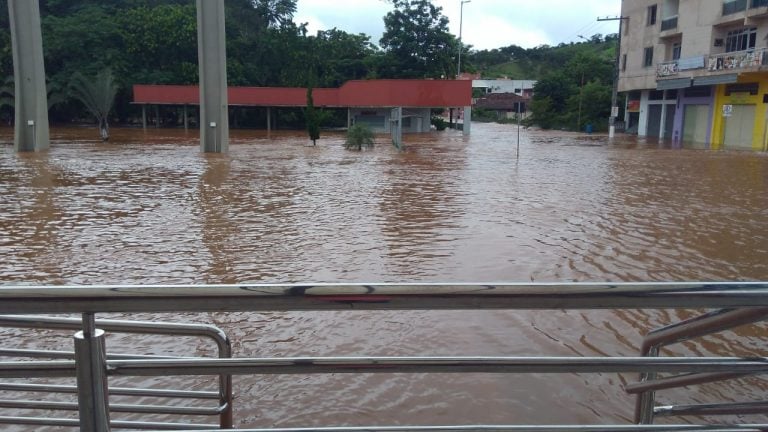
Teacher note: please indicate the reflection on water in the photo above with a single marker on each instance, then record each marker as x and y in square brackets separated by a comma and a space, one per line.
[149, 208]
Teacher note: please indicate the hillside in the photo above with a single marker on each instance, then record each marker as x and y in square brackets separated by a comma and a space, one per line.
[514, 62]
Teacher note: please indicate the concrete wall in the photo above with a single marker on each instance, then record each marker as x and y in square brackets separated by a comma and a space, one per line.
[415, 120]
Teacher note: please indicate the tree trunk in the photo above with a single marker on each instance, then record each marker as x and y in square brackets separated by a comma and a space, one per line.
[104, 129]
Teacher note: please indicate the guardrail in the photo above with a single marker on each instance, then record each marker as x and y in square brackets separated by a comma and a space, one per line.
[224, 395]
[92, 367]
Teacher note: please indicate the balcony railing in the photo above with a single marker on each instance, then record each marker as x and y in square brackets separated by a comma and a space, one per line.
[758, 3]
[714, 63]
[732, 7]
[667, 69]
[669, 23]
[737, 60]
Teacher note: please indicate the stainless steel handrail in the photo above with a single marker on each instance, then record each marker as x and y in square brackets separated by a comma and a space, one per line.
[532, 428]
[223, 344]
[91, 300]
[702, 325]
[265, 298]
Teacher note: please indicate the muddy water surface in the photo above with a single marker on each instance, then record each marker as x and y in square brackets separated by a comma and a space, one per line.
[149, 208]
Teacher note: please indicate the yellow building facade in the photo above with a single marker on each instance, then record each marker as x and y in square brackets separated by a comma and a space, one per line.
[740, 118]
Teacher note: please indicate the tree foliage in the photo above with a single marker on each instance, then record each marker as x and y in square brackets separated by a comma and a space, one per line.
[359, 137]
[417, 42]
[97, 94]
[313, 118]
[155, 42]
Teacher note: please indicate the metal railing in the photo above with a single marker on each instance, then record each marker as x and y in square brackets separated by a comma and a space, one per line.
[669, 23]
[92, 369]
[667, 69]
[223, 395]
[758, 3]
[737, 60]
[696, 327]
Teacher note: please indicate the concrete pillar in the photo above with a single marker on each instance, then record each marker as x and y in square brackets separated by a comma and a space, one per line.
[186, 117]
[397, 127]
[212, 54]
[349, 118]
[157, 116]
[269, 121]
[144, 117]
[31, 132]
[467, 121]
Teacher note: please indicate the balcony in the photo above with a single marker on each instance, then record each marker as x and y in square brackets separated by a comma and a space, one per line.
[758, 9]
[734, 6]
[667, 69]
[740, 60]
[670, 23]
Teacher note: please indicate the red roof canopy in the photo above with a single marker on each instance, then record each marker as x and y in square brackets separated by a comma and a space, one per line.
[367, 94]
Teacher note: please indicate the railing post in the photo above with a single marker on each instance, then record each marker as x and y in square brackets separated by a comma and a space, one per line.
[92, 392]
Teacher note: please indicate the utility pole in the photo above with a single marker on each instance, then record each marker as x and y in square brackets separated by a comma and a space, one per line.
[615, 95]
[461, 28]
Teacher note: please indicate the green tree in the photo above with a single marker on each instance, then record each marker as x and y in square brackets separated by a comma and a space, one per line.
[97, 94]
[359, 136]
[416, 41]
[313, 118]
[160, 44]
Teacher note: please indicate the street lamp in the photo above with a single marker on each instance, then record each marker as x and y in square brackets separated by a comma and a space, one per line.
[461, 27]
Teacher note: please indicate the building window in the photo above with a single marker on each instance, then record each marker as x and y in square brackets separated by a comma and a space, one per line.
[741, 40]
[648, 57]
[623, 62]
[651, 15]
[751, 88]
[677, 49]
[656, 95]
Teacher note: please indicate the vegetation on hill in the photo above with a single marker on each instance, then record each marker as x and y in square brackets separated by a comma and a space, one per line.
[574, 80]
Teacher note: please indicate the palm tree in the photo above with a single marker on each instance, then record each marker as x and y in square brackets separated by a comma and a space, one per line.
[97, 95]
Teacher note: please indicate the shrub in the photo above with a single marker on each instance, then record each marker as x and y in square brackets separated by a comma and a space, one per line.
[359, 137]
[439, 123]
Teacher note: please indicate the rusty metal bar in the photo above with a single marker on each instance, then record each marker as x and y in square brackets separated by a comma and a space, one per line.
[711, 322]
[680, 381]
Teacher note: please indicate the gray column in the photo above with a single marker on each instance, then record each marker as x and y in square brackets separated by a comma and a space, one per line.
[269, 121]
[144, 117]
[467, 121]
[31, 130]
[186, 117]
[212, 53]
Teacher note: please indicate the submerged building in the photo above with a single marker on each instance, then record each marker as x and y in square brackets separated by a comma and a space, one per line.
[696, 71]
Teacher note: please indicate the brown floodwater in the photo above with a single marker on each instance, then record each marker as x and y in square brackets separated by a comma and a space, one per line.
[149, 208]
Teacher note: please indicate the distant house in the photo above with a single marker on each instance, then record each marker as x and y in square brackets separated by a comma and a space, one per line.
[518, 87]
[506, 105]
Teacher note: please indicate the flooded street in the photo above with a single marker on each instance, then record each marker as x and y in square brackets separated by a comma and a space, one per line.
[149, 208]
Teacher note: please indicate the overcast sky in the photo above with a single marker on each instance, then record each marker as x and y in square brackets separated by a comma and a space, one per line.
[487, 23]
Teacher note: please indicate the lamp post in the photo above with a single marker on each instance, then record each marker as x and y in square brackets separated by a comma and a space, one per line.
[461, 28]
